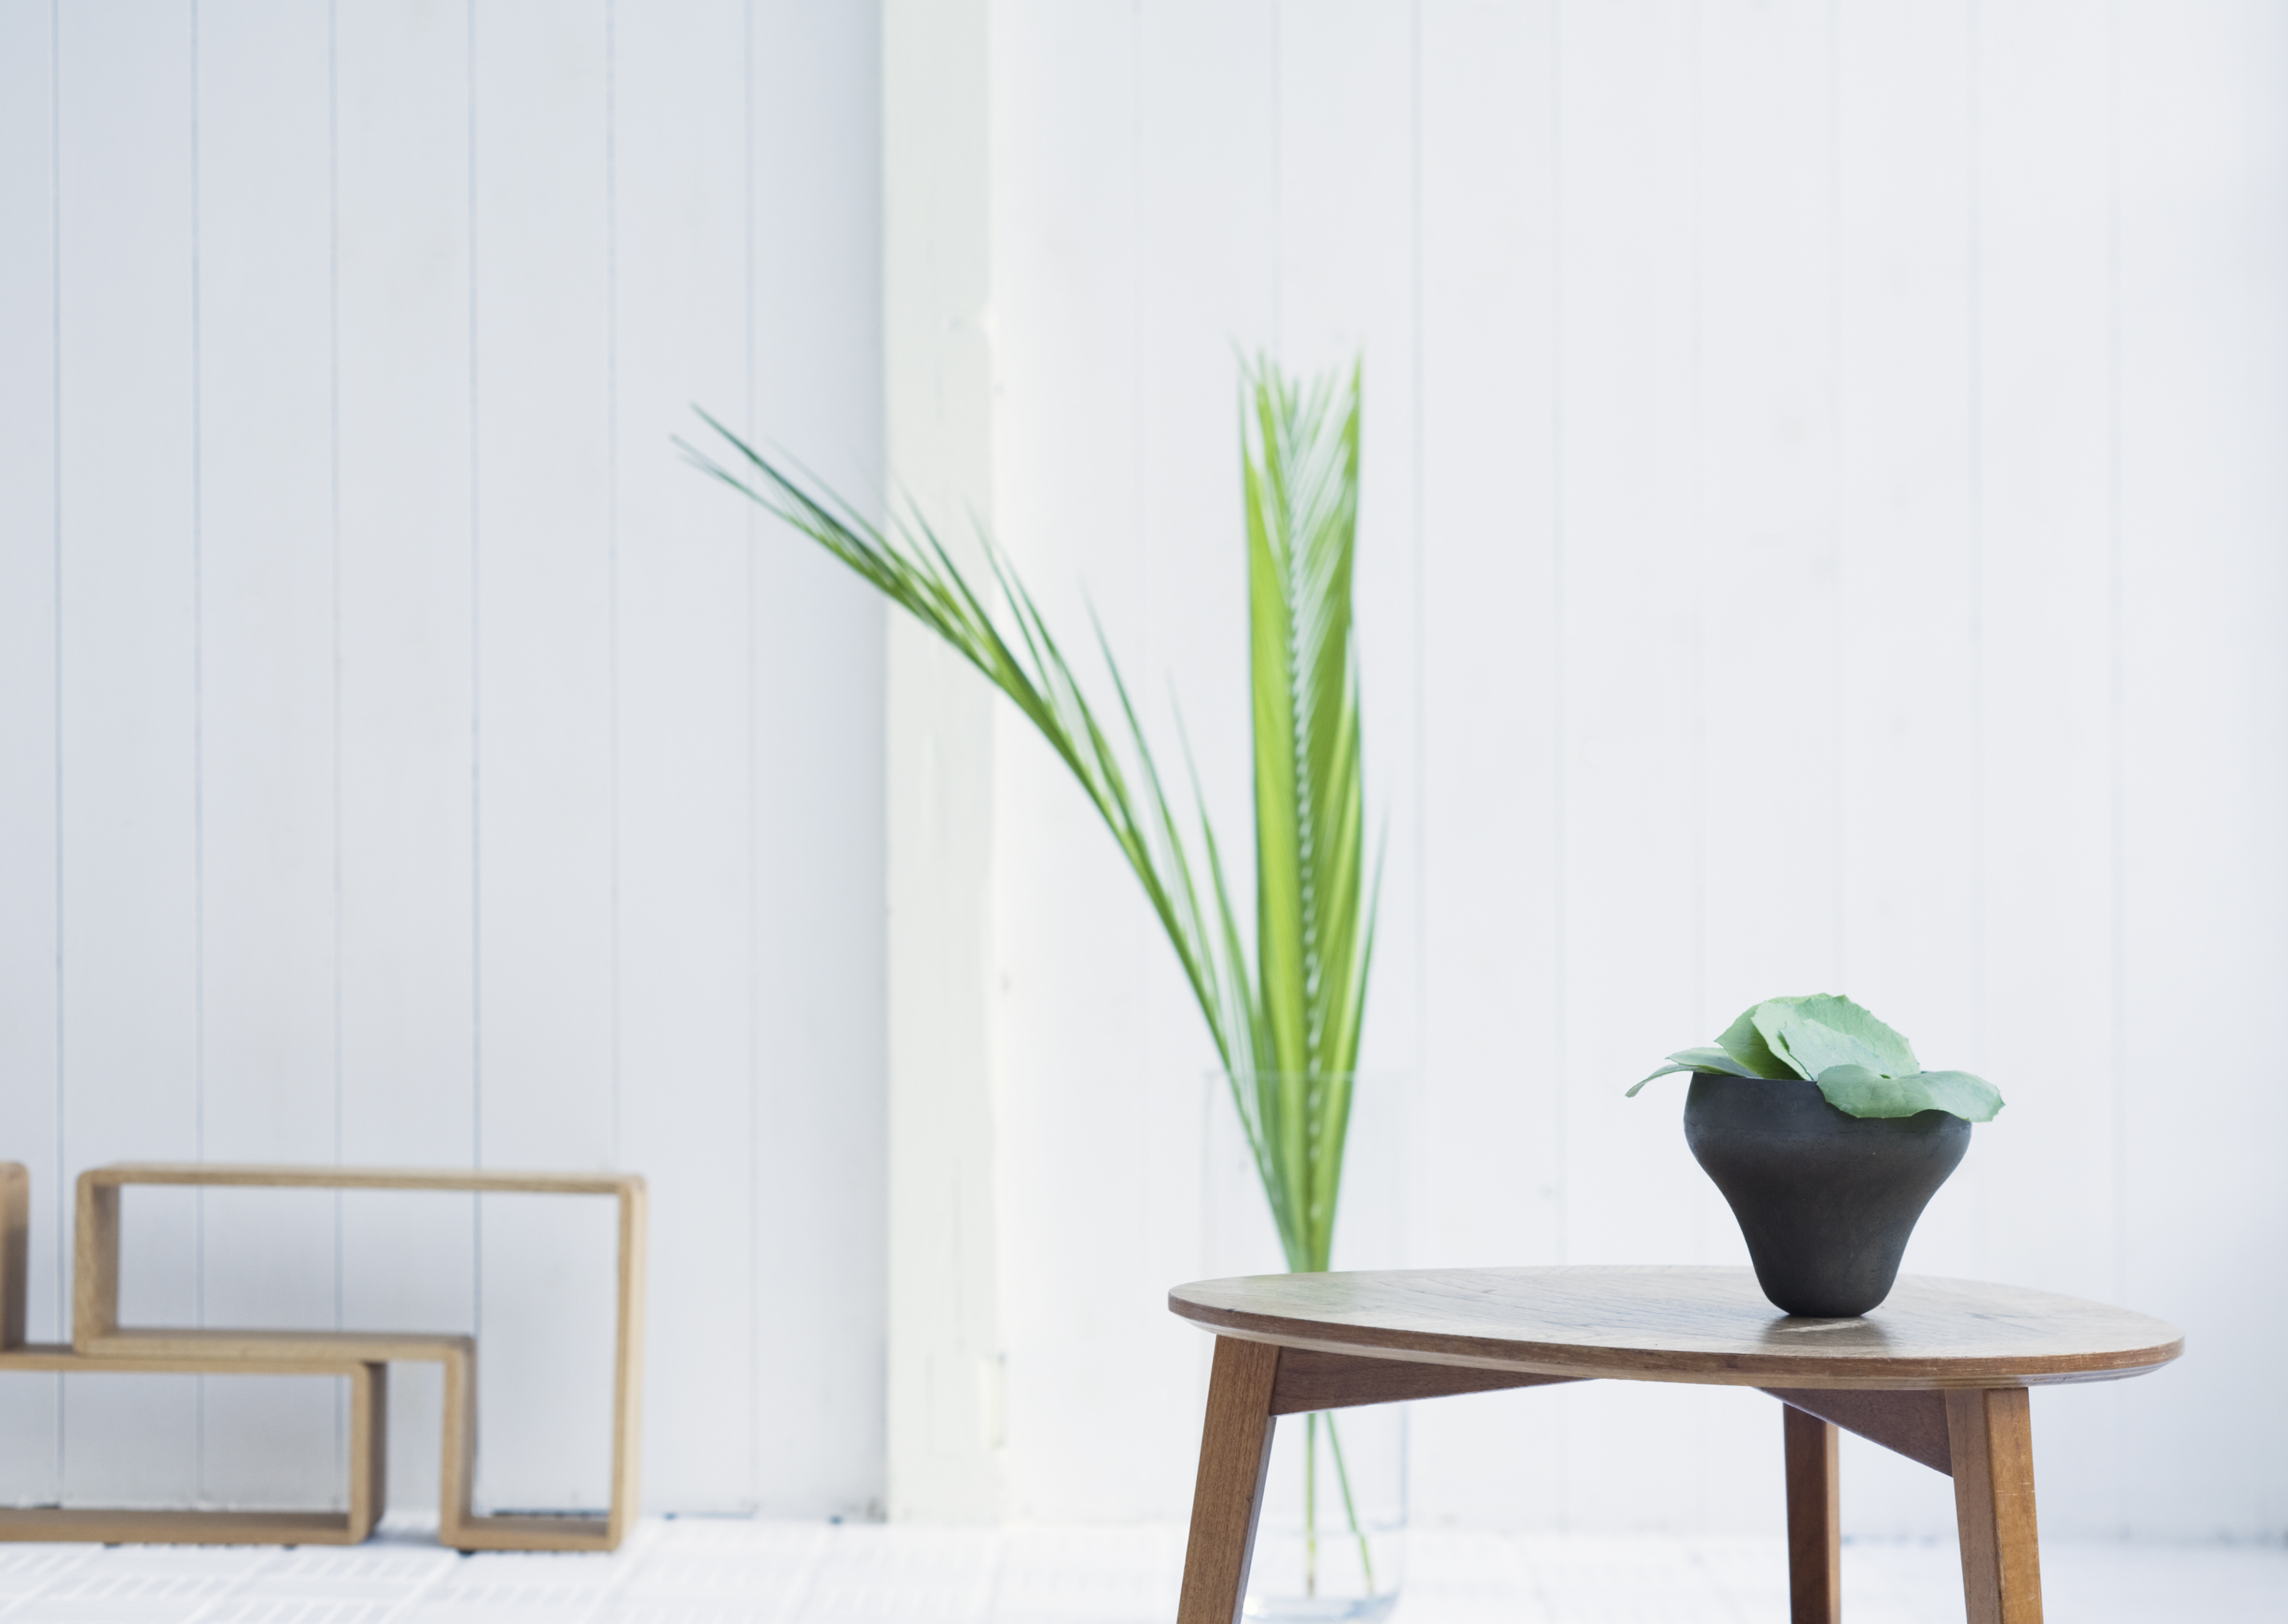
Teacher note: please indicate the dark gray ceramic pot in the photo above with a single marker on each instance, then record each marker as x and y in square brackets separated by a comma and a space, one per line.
[1826, 1199]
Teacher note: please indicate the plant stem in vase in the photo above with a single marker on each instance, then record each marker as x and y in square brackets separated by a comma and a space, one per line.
[1285, 1011]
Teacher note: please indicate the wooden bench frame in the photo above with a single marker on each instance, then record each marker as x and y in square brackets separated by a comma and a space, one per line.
[99, 1343]
[368, 1484]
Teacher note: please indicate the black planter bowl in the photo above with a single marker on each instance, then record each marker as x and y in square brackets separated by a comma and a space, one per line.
[1825, 1199]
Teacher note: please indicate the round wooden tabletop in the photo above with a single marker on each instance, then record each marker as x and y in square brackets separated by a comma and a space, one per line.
[1679, 1324]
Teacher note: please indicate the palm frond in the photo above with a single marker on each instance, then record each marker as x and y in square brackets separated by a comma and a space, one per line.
[1287, 1025]
[1301, 488]
[911, 566]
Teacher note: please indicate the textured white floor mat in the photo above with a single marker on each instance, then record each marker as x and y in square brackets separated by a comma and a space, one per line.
[709, 1572]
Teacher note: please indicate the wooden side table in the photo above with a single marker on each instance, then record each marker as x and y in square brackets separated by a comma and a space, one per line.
[1938, 1374]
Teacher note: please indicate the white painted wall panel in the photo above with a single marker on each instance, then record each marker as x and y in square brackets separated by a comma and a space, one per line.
[2047, 1209]
[1626, 497]
[542, 256]
[1838, 566]
[2200, 398]
[31, 1461]
[439, 775]
[128, 711]
[1490, 1118]
[1347, 293]
[941, 739]
[818, 993]
[687, 1052]
[443, 779]
[1091, 1107]
[405, 652]
[265, 618]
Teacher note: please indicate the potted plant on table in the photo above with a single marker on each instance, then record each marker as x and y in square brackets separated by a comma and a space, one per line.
[1828, 1139]
[1286, 1011]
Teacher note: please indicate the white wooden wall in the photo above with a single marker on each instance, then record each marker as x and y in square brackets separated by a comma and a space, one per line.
[1822, 530]
[404, 758]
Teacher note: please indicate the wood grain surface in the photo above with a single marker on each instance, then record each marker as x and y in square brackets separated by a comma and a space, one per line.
[15, 1248]
[1909, 1424]
[133, 1350]
[1228, 1495]
[1685, 1324]
[100, 1342]
[265, 1175]
[90, 1524]
[1815, 1519]
[1310, 1380]
[1992, 1439]
[366, 1492]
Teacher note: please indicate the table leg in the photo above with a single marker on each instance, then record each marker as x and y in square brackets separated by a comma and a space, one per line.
[1815, 1519]
[1234, 1455]
[1991, 1434]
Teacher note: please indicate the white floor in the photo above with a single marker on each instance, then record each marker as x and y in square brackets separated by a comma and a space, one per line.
[718, 1571]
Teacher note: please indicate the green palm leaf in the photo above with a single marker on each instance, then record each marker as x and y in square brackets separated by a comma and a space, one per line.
[1314, 933]
[1286, 1025]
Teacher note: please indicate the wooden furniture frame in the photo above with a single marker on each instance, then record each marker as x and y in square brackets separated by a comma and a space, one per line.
[100, 1343]
[367, 1486]
[1940, 1374]
[96, 1328]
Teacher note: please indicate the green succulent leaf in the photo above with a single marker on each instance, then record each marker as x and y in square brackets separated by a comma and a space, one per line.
[1816, 1032]
[1858, 1091]
[1744, 1043]
[1696, 1060]
[1860, 1065]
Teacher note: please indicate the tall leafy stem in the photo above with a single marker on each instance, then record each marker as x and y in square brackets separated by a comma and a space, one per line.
[1285, 1019]
[1287, 1025]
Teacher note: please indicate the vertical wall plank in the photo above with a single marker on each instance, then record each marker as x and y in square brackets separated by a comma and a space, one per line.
[2046, 408]
[266, 724]
[328, 740]
[1769, 720]
[1491, 1114]
[819, 992]
[1907, 511]
[2045, 480]
[1205, 170]
[1766, 785]
[543, 333]
[1908, 497]
[29, 1415]
[408, 1085]
[1626, 448]
[1348, 292]
[1068, 249]
[128, 713]
[688, 1054]
[945, 1348]
[2203, 394]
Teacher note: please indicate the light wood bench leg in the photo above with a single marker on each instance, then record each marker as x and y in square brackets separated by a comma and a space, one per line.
[457, 1456]
[1990, 1433]
[1235, 1457]
[1815, 1519]
[15, 1249]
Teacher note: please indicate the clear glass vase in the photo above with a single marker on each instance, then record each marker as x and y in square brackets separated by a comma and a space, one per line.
[1330, 1543]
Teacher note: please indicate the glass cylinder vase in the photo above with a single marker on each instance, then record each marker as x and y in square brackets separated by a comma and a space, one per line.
[1330, 1545]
